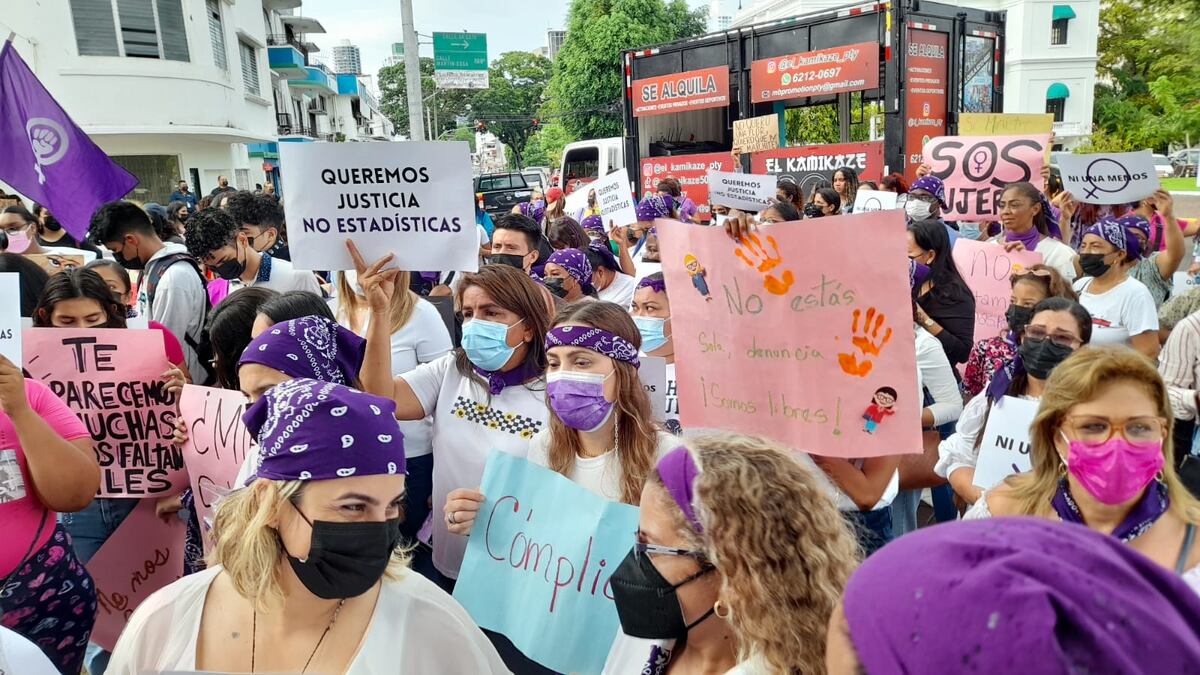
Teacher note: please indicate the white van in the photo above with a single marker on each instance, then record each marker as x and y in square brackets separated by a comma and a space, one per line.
[585, 161]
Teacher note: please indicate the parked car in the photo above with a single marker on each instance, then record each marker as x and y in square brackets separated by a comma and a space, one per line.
[535, 179]
[1162, 166]
[1185, 162]
[502, 191]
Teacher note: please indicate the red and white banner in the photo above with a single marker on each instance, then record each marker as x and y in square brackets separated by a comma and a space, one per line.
[817, 73]
[925, 76]
[690, 170]
[691, 90]
[807, 165]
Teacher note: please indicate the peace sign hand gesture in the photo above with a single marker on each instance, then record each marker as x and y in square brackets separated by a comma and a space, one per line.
[378, 284]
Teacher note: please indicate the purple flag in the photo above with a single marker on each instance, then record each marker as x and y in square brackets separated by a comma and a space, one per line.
[48, 158]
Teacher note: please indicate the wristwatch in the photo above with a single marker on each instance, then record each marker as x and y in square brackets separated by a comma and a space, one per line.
[928, 322]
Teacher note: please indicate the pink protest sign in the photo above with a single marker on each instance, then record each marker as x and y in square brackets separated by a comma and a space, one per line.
[975, 170]
[988, 268]
[144, 554]
[217, 445]
[112, 379]
[803, 334]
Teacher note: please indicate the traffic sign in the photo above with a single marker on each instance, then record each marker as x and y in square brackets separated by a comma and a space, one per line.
[460, 51]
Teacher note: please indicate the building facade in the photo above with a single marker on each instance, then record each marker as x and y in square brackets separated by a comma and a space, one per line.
[1049, 58]
[346, 58]
[396, 57]
[554, 41]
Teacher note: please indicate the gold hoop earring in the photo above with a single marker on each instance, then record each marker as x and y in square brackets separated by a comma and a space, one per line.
[1160, 476]
[719, 607]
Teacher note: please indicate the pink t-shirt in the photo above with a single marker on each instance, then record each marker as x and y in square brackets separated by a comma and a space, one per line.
[20, 509]
[170, 343]
[1156, 223]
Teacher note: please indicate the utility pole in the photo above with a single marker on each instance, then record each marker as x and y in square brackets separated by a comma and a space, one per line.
[412, 72]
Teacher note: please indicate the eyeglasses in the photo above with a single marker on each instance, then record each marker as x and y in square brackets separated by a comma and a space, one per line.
[1094, 430]
[1024, 274]
[640, 549]
[1038, 334]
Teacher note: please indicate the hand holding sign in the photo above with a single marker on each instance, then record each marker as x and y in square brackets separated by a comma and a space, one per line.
[378, 284]
[12, 388]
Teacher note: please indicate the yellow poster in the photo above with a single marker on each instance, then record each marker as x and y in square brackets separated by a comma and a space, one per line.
[1007, 124]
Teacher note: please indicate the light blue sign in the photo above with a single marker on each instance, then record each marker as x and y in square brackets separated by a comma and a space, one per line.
[538, 562]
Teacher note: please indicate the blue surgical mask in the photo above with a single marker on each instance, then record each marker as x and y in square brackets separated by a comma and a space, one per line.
[651, 329]
[968, 230]
[486, 343]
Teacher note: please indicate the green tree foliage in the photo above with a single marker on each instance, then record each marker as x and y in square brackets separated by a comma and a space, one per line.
[588, 76]
[448, 104]
[517, 90]
[1149, 67]
[545, 147]
[818, 124]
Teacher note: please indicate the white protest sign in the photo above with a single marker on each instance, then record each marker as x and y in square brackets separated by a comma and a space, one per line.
[1005, 447]
[614, 198]
[653, 374]
[743, 191]
[409, 198]
[874, 200]
[1182, 282]
[10, 318]
[1109, 178]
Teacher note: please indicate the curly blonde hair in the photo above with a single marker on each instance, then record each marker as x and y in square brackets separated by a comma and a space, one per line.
[782, 549]
[249, 547]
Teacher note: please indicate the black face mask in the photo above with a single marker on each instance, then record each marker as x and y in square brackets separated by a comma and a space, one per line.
[1041, 356]
[556, 287]
[510, 259]
[52, 224]
[1018, 317]
[646, 602]
[1093, 264]
[632, 238]
[346, 559]
[813, 211]
[230, 269]
[134, 263]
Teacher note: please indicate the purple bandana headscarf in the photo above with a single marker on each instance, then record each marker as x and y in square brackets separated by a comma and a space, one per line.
[596, 339]
[678, 472]
[311, 346]
[601, 249]
[534, 210]
[592, 224]
[654, 206]
[575, 262]
[313, 430]
[1111, 230]
[1019, 595]
[656, 285]
[1132, 222]
[933, 185]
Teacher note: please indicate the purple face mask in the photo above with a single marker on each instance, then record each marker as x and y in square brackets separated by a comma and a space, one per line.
[578, 399]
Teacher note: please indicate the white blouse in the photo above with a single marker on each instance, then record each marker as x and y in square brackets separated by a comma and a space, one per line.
[960, 451]
[416, 628]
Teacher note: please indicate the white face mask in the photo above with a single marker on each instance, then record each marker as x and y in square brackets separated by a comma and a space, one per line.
[918, 209]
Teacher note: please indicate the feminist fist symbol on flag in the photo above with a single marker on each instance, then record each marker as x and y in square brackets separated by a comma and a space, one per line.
[866, 341]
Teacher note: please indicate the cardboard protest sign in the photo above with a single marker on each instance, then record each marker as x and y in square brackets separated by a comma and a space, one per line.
[756, 133]
[817, 73]
[1005, 447]
[144, 554]
[610, 194]
[10, 318]
[988, 268]
[112, 379]
[976, 170]
[742, 191]
[810, 164]
[538, 563]
[653, 374]
[53, 263]
[217, 445]
[1006, 124]
[411, 199]
[866, 201]
[1109, 178]
[802, 334]
[690, 170]
[690, 90]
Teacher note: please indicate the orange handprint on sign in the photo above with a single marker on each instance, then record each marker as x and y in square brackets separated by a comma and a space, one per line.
[753, 253]
[867, 342]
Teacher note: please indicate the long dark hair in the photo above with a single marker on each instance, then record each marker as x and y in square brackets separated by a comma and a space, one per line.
[792, 192]
[851, 178]
[1042, 220]
[229, 325]
[71, 284]
[295, 304]
[513, 290]
[948, 284]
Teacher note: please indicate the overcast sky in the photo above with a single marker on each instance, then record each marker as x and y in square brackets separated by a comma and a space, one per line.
[373, 25]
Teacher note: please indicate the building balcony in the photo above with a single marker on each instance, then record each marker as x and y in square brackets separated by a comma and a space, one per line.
[286, 56]
[347, 85]
[263, 150]
[281, 4]
[316, 79]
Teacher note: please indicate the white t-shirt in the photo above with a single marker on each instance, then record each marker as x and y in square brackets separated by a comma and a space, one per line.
[620, 290]
[1123, 311]
[631, 655]
[284, 278]
[1059, 256]
[416, 628]
[467, 426]
[599, 475]
[423, 339]
[19, 656]
[644, 268]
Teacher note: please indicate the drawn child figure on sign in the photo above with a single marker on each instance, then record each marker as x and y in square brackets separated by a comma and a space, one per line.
[698, 274]
[882, 405]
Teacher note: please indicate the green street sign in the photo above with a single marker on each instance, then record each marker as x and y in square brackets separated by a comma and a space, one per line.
[460, 51]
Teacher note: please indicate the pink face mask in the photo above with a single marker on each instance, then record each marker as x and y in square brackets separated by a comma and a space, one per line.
[1115, 471]
[18, 241]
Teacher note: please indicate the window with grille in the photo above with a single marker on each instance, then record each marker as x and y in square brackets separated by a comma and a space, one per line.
[1058, 31]
[249, 66]
[241, 179]
[149, 29]
[216, 33]
[1057, 107]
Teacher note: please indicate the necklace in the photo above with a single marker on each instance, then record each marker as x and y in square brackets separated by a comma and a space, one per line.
[254, 636]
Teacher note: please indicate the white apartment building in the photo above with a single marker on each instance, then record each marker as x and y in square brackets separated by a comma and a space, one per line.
[355, 115]
[554, 41]
[168, 88]
[346, 58]
[1049, 57]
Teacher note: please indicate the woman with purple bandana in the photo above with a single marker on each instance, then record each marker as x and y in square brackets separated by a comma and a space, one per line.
[1029, 226]
[1012, 596]
[645, 253]
[926, 200]
[1102, 457]
[307, 573]
[1122, 308]
[651, 312]
[569, 275]
[1156, 269]
[739, 560]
